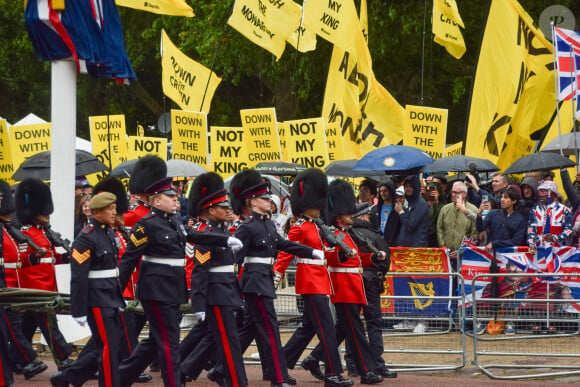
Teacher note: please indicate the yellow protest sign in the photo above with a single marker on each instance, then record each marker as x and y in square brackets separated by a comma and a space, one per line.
[454, 150]
[283, 145]
[109, 133]
[28, 140]
[426, 129]
[141, 146]
[261, 135]
[189, 136]
[6, 166]
[228, 154]
[306, 142]
[184, 80]
[162, 7]
[334, 142]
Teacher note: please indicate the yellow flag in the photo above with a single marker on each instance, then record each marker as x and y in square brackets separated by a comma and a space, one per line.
[266, 23]
[162, 7]
[514, 84]
[446, 22]
[333, 20]
[364, 19]
[184, 80]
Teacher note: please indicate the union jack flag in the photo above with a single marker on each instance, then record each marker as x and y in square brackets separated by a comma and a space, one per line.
[567, 46]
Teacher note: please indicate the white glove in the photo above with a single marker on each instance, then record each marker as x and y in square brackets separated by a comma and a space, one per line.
[277, 278]
[381, 256]
[82, 321]
[235, 244]
[199, 315]
[318, 254]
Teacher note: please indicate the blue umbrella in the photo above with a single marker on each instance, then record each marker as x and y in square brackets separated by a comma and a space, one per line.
[394, 159]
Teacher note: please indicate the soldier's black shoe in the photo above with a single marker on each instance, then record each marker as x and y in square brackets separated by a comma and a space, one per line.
[58, 379]
[291, 381]
[17, 369]
[370, 378]
[311, 364]
[353, 373]
[337, 381]
[144, 378]
[33, 368]
[216, 377]
[280, 385]
[385, 372]
[65, 364]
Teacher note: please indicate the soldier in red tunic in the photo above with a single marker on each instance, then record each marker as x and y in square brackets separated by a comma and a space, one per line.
[308, 197]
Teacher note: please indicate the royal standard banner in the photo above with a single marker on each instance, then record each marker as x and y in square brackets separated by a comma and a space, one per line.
[514, 88]
[188, 83]
[161, 7]
[418, 260]
[446, 23]
[266, 23]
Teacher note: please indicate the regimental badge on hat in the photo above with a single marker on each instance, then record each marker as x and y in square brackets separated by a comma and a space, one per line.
[162, 186]
[261, 190]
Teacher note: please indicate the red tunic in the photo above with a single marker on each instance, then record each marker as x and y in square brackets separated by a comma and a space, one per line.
[129, 291]
[348, 286]
[310, 278]
[41, 276]
[135, 213]
[190, 251]
[14, 253]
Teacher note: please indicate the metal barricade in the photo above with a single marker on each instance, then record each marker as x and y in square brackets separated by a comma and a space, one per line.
[529, 325]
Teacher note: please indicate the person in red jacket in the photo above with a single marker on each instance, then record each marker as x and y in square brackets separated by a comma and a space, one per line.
[33, 208]
[308, 197]
[347, 282]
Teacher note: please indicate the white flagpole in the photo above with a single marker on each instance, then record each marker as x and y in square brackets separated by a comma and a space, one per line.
[556, 85]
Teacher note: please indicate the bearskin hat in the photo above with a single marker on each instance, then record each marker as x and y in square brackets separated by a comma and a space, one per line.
[6, 199]
[147, 171]
[309, 190]
[203, 186]
[341, 200]
[240, 182]
[114, 186]
[33, 198]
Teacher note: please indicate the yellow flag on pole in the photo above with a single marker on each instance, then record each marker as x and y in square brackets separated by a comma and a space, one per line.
[184, 80]
[333, 20]
[446, 23]
[266, 23]
[161, 7]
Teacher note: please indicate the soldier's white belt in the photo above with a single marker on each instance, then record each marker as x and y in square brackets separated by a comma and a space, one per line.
[177, 262]
[105, 273]
[309, 261]
[47, 260]
[12, 265]
[222, 269]
[355, 270]
[262, 260]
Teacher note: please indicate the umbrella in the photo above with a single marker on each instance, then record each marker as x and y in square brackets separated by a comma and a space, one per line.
[394, 159]
[568, 142]
[38, 166]
[279, 168]
[125, 169]
[344, 168]
[539, 162]
[178, 167]
[460, 163]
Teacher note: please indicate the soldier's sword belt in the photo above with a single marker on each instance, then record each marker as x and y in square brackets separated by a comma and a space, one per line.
[177, 262]
[262, 260]
[47, 260]
[222, 269]
[355, 270]
[105, 273]
[12, 265]
[309, 261]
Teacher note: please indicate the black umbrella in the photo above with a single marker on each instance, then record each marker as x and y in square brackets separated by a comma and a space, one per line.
[38, 166]
[125, 169]
[344, 168]
[279, 168]
[539, 162]
[460, 163]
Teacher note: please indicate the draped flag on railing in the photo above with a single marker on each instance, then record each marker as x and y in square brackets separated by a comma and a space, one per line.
[418, 260]
[562, 263]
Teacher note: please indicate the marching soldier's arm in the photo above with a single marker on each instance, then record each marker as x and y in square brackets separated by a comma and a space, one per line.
[294, 247]
[199, 278]
[283, 260]
[136, 247]
[80, 266]
[208, 239]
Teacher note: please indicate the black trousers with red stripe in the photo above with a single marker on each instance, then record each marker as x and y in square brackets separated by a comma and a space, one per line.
[222, 324]
[6, 377]
[200, 358]
[267, 332]
[104, 324]
[349, 327]
[317, 319]
[162, 343]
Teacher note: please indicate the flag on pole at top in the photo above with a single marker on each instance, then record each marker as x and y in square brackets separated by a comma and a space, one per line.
[567, 45]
